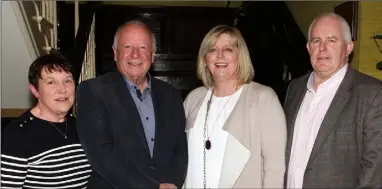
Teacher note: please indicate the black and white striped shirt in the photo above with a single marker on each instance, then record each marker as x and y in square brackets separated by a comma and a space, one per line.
[35, 154]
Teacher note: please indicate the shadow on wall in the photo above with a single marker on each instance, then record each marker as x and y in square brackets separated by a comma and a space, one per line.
[276, 44]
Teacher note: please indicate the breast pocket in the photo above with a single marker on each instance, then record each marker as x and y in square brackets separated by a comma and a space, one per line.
[347, 128]
[347, 124]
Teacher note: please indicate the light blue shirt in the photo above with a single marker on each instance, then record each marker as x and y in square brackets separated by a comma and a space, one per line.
[145, 107]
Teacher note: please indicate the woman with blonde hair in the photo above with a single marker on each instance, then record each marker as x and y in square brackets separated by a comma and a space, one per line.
[236, 127]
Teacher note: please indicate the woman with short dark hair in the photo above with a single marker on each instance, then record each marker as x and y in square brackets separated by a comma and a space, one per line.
[40, 149]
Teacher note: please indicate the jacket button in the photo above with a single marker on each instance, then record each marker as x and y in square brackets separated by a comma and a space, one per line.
[152, 167]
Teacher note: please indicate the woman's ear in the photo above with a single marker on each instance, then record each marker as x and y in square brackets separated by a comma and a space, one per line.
[34, 91]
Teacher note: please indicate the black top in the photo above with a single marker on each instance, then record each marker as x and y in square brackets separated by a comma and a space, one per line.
[36, 153]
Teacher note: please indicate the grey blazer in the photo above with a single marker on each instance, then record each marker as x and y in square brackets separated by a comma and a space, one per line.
[348, 149]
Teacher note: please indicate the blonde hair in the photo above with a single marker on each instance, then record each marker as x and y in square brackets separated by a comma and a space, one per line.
[245, 71]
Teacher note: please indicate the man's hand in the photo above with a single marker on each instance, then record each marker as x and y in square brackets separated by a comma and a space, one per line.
[167, 186]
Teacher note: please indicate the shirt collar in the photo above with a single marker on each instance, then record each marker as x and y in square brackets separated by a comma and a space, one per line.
[333, 80]
[131, 85]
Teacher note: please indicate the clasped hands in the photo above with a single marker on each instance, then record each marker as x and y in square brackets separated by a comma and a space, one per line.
[167, 186]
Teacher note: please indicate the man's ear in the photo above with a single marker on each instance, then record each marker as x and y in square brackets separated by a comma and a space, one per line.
[349, 48]
[34, 91]
[152, 57]
[115, 53]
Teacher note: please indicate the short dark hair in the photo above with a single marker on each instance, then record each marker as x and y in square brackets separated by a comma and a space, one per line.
[50, 63]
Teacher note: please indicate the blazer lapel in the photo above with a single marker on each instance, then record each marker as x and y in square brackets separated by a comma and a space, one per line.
[192, 113]
[160, 123]
[132, 117]
[297, 97]
[236, 156]
[237, 151]
[335, 109]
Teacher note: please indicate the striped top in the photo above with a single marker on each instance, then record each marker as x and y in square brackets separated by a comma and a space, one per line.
[36, 154]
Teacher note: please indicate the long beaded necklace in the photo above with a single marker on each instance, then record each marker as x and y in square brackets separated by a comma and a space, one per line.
[207, 141]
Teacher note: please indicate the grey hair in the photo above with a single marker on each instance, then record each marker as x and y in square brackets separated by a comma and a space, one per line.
[345, 25]
[134, 22]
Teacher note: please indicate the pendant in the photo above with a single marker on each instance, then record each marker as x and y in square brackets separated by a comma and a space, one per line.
[207, 144]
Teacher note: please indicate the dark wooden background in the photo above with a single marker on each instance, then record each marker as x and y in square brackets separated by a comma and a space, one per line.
[178, 31]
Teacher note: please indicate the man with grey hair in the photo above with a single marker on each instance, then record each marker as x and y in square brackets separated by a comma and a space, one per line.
[334, 116]
[131, 124]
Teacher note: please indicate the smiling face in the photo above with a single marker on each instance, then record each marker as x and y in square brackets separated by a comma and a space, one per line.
[222, 58]
[55, 91]
[327, 47]
[133, 52]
